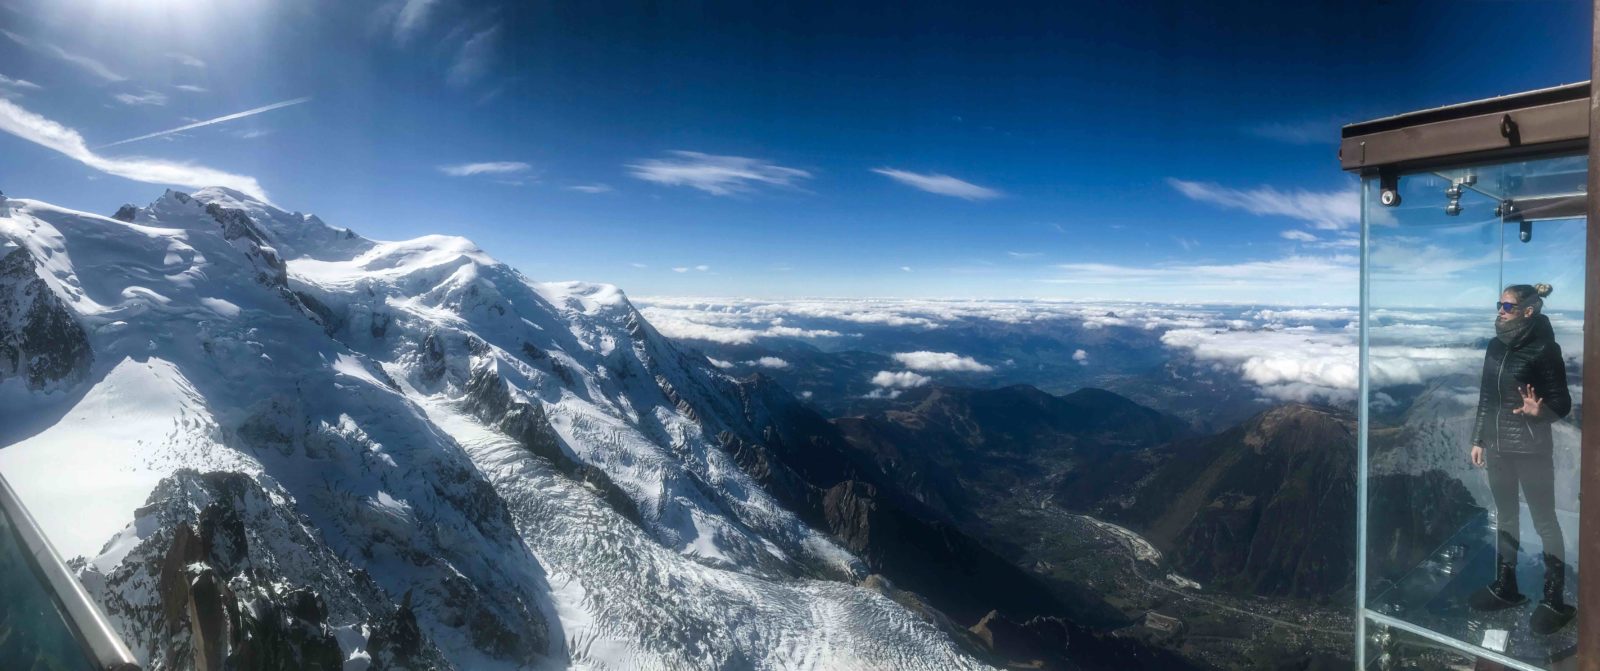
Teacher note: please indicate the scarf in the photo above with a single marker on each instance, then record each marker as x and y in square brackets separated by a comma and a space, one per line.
[1512, 331]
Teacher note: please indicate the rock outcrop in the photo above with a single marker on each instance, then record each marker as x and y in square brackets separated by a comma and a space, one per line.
[40, 339]
[222, 588]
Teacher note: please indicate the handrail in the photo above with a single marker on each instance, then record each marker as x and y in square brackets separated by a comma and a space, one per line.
[105, 647]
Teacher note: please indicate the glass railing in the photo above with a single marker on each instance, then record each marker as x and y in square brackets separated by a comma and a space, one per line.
[46, 619]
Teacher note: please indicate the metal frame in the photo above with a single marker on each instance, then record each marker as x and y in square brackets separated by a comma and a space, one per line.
[1470, 650]
[1534, 122]
[1548, 207]
[1361, 443]
[93, 631]
[1558, 120]
[1589, 457]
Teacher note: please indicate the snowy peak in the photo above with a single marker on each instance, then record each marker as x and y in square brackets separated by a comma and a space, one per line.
[293, 234]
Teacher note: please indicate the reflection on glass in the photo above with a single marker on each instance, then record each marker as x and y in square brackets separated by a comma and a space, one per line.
[1396, 649]
[1474, 338]
[34, 633]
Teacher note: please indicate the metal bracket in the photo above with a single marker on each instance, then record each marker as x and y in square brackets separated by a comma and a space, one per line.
[1389, 185]
[1510, 131]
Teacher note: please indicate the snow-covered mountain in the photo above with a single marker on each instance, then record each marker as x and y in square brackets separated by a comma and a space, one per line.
[331, 450]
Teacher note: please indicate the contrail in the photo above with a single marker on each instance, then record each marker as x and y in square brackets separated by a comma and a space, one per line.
[208, 122]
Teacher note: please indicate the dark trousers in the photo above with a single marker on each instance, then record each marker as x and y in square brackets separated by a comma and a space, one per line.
[1536, 474]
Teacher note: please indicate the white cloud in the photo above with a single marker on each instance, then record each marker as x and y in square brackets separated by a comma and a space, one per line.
[1024, 255]
[474, 57]
[186, 59]
[943, 185]
[1331, 210]
[925, 314]
[412, 17]
[903, 379]
[681, 269]
[691, 325]
[85, 63]
[191, 88]
[702, 268]
[905, 269]
[487, 168]
[1305, 363]
[1304, 353]
[639, 265]
[943, 361]
[590, 188]
[1416, 259]
[1305, 314]
[18, 83]
[51, 135]
[769, 362]
[716, 175]
[148, 97]
[1340, 242]
[1299, 235]
[720, 363]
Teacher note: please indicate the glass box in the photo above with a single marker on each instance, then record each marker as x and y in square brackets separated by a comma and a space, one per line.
[1451, 359]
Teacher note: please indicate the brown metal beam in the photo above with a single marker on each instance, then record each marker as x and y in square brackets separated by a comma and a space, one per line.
[1494, 135]
[1589, 443]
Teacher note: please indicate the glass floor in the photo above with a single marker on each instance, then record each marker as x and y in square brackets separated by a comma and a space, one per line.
[1434, 594]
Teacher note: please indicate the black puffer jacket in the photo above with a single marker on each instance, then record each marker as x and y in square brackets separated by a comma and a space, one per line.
[1534, 359]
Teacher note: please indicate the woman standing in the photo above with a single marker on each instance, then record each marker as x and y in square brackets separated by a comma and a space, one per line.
[1523, 391]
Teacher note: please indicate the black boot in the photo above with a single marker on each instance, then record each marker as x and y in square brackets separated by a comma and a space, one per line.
[1500, 594]
[1552, 614]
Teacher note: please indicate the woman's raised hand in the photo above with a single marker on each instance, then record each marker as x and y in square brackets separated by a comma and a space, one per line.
[1477, 455]
[1532, 405]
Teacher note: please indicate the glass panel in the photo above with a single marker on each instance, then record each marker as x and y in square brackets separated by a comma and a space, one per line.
[1438, 349]
[34, 633]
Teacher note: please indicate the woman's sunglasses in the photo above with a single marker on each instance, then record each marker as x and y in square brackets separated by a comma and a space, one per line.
[1507, 307]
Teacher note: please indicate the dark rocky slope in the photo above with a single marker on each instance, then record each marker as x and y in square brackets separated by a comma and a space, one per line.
[904, 534]
[1267, 507]
[966, 451]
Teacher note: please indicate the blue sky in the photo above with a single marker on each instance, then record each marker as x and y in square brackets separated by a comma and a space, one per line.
[1172, 151]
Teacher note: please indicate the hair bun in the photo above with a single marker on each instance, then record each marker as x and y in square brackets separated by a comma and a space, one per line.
[1543, 289]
